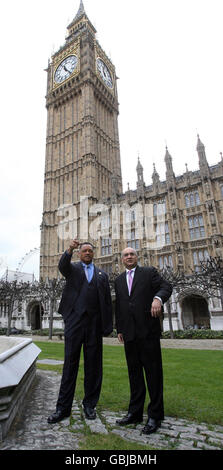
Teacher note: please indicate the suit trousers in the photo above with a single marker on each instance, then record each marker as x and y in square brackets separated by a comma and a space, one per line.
[87, 333]
[144, 355]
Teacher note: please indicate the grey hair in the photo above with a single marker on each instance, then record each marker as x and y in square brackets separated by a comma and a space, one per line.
[133, 249]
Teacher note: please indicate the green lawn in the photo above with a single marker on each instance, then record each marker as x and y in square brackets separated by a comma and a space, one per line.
[193, 381]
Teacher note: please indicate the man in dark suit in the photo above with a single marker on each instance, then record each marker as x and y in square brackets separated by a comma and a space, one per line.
[86, 308]
[140, 295]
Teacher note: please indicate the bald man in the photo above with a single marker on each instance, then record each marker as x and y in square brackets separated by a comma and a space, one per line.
[140, 295]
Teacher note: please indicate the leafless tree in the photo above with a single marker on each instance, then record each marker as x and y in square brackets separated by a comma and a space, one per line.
[50, 291]
[210, 277]
[178, 280]
[11, 293]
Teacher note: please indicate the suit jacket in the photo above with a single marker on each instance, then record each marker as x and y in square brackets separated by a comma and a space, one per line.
[75, 276]
[133, 312]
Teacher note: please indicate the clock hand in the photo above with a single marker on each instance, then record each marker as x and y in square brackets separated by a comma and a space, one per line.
[66, 70]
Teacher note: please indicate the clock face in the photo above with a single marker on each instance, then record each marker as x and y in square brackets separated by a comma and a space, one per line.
[65, 69]
[104, 72]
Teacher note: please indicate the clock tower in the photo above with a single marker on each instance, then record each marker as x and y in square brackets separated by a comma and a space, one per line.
[82, 143]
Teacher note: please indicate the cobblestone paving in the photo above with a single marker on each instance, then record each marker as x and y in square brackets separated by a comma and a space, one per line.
[32, 432]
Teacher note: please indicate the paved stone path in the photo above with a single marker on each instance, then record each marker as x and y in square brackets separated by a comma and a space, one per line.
[32, 432]
[214, 344]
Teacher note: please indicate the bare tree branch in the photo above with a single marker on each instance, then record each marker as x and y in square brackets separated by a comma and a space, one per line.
[12, 292]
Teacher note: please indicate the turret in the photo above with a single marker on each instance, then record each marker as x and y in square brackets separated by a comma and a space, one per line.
[140, 181]
[203, 164]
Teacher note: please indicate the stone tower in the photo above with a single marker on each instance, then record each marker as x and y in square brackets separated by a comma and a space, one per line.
[82, 142]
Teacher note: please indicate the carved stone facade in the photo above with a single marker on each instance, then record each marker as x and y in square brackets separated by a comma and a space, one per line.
[177, 222]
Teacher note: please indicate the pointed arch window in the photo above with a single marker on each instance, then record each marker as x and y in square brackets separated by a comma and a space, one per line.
[196, 227]
[192, 199]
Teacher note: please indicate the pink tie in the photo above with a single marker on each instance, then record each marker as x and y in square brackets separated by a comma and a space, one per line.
[130, 281]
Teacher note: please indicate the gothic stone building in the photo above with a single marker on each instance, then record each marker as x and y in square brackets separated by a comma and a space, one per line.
[83, 185]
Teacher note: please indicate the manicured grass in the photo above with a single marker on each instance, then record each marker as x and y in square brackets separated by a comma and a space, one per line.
[51, 350]
[194, 384]
[193, 381]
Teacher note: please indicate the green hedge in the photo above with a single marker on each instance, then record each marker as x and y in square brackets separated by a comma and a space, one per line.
[43, 332]
[194, 334]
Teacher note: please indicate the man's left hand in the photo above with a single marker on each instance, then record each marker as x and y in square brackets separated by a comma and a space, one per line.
[156, 308]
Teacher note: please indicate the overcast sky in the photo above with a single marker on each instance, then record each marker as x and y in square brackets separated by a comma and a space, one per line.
[168, 57]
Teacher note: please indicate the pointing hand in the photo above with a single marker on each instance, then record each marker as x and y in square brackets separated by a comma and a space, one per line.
[74, 244]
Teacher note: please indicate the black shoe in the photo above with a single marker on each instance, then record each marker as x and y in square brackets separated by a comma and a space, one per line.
[151, 426]
[129, 419]
[89, 412]
[58, 416]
